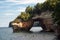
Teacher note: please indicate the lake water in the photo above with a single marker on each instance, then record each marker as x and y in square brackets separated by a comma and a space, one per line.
[7, 34]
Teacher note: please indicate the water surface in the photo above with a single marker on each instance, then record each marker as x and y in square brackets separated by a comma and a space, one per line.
[7, 34]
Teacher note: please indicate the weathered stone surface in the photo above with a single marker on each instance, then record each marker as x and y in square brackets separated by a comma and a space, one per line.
[57, 31]
[23, 25]
[44, 19]
[41, 22]
[48, 24]
[10, 24]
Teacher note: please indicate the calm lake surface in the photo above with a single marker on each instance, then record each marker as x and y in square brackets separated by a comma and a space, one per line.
[7, 34]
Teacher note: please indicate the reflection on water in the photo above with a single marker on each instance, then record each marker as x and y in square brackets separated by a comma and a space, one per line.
[36, 29]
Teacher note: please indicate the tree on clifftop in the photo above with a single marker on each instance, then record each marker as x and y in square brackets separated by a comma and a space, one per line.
[56, 14]
[29, 10]
[37, 9]
[25, 16]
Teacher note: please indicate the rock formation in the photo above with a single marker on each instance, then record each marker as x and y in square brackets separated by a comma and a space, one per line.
[10, 24]
[44, 19]
[22, 25]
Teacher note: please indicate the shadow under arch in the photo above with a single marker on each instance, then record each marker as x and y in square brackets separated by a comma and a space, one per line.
[41, 23]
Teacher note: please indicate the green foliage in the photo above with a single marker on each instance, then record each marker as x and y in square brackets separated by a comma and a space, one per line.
[45, 6]
[56, 14]
[51, 5]
[29, 10]
[25, 16]
[37, 8]
[16, 21]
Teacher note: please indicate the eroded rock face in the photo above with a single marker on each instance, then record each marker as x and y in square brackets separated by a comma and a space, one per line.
[44, 19]
[45, 23]
[57, 31]
[23, 25]
[48, 24]
[10, 24]
[41, 23]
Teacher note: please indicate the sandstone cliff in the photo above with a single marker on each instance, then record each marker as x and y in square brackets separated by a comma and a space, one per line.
[45, 19]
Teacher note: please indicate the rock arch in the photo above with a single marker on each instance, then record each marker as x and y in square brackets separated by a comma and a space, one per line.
[40, 20]
[45, 23]
[44, 19]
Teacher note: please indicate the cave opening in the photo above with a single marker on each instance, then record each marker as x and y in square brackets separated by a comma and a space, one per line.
[38, 25]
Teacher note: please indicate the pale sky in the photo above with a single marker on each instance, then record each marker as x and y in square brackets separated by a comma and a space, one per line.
[10, 9]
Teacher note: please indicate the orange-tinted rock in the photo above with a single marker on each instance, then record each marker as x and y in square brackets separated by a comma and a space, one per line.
[23, 25]
[45, 20]
[27, 24]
